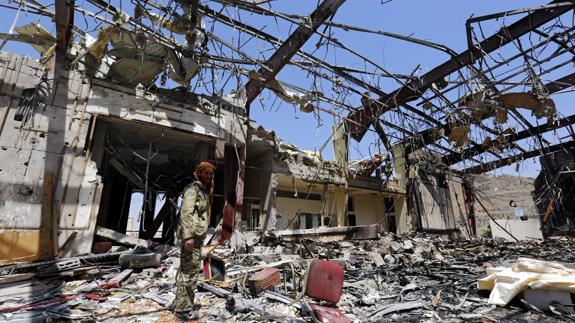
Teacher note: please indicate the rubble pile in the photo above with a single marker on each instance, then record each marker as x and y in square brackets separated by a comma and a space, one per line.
[410, 278]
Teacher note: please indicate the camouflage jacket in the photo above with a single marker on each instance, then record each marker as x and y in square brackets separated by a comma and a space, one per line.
[194, 219]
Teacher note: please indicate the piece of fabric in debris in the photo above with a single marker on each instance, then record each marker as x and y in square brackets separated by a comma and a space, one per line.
[137, 59]
[507, 282]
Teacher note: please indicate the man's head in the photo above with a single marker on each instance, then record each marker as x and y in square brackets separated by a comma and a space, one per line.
[205, 172]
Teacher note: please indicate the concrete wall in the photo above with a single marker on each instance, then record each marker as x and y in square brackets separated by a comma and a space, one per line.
[403, 218]
[287, 208]
[522, 230]
[434, 205]
[369, 210]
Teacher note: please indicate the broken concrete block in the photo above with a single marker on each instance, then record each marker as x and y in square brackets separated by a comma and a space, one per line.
[377, 259]
[251, 238]
[384, 249]
[279, 250]
[150, 272]
[140, 260]
[389, 259]
[260, 249]
[396, 246]
[346, 244]
[371, 297]
[416, 258]
[407, 245]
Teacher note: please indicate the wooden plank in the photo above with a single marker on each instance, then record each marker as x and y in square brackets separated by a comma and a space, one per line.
[16, 278]
[121, 238]
[68, 244]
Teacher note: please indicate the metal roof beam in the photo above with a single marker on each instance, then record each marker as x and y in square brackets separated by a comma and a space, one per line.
[289, 48]
[367, 113]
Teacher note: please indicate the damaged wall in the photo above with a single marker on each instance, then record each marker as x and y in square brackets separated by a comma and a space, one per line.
[368, 209]
[53, 140]
[47, 178]
[439, 202]
[364, 207]
[432, 203]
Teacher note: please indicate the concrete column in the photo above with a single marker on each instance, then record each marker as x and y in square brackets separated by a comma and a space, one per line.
[268, 207]
[341, 154]
[403, 219]
[341, 205]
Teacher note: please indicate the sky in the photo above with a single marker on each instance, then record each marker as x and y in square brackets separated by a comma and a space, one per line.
[441, 21]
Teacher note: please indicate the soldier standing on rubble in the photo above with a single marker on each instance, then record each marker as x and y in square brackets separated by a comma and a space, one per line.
[192, 228]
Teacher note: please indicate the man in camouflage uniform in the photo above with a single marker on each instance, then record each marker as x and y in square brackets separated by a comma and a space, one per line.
[191, 231]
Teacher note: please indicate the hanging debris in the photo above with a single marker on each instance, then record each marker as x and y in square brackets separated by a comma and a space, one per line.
[540, 106]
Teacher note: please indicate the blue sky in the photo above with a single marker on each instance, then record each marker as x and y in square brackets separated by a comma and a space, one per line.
[438, 21]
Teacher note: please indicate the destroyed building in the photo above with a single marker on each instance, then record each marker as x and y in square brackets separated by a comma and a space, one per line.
[103, 101]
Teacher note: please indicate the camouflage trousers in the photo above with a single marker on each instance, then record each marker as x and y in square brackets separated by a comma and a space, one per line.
[187, 279]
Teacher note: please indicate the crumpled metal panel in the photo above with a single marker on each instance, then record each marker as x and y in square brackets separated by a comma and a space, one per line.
[37, 31]
[138, 60]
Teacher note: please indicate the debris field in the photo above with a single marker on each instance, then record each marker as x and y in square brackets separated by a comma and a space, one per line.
[308, 161]
[409, 278]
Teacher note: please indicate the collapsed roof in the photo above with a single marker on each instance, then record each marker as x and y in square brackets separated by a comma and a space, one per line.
[483, 108]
